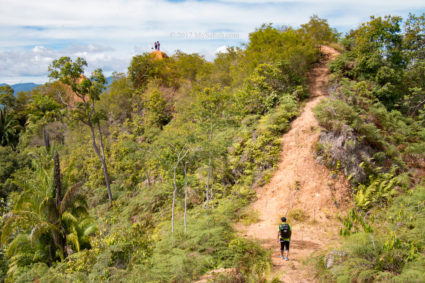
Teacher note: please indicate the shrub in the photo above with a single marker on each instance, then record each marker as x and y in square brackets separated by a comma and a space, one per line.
[249, 217]
[297, 215]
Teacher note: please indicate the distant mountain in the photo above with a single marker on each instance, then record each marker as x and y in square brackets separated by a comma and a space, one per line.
[29, 86]
[22, 87]
[109, 80]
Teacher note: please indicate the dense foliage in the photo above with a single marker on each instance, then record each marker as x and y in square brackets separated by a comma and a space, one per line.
[374, 132]
[180, 144]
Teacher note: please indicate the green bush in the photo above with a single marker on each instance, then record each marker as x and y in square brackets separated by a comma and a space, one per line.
[370, 110]
[297, 215]
[394, 250]
[226, 116]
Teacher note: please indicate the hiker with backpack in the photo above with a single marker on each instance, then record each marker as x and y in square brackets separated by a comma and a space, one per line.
[284, 237]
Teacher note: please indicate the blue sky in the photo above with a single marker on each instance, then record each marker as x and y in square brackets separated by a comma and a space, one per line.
[109, 32]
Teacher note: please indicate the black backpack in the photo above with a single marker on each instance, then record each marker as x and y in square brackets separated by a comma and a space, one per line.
[284, 231]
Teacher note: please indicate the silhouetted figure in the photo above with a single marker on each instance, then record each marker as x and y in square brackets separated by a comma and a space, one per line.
[156, 45]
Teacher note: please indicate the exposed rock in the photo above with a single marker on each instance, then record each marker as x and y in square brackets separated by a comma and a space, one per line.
[158, 55]
[333, 258]
[344, 148]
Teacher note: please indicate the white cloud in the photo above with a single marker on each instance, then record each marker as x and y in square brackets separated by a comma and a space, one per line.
[109, 32]
[221, 49]
[34, 62]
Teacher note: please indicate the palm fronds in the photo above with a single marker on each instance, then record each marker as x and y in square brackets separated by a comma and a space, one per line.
[37, 221]
[49, 210]
[40, 229]
[69, 197]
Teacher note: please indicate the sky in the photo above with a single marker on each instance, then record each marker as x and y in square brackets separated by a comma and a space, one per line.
[108, 33]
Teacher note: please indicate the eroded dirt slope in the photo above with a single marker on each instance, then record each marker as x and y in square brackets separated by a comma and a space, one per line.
[302, 185]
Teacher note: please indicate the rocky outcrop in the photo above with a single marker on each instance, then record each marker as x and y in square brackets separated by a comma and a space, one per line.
[332, 258]
[343, 151]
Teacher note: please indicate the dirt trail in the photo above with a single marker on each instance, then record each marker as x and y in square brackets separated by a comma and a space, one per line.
[300, 184]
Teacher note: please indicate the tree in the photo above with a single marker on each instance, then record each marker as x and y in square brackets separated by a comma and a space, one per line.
[142, 68]
[9, 129]
[286, 46]
[177, 140]
[414, 48]
[378, 43]
[10, 161]
[378, 56]
[264, 88]
[117, 100]
[156, 110]
[210, 112]
[145, 68]
[185, 197]
[225, 70]
[379, 51]
[319, 31]
[42, 111]
[414, 38]
[44, 218]
[189, 65]
[266, 45]
[180, 156]
[82, 107]
[7, 99]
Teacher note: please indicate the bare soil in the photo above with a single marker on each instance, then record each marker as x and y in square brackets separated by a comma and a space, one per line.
[301, 188]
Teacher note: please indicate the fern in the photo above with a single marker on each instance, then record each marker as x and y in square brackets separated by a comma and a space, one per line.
[69, 218]
[380, 190]
[74, 240]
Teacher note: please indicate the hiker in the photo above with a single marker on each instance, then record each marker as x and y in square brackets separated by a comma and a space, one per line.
[156, 45]
[284, 237]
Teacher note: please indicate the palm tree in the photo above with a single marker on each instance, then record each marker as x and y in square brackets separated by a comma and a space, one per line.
[75, 220]
[53, 231]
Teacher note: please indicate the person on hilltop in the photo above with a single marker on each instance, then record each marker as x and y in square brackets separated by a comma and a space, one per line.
[156, 45]
[284, 237]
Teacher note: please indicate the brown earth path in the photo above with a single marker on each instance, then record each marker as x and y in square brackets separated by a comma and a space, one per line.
[300, 184]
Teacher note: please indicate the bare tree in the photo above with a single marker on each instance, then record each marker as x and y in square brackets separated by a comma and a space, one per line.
[185, 196]
[82, 107]
[180, 156]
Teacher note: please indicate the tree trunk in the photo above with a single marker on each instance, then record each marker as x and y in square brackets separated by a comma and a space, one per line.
[148, 178]
[185, 198]
[208, 182]
[101, 141]
[211, 186]
[209, 190]
[174, 199]
[46, 138]
[179, 158]
[57, 179]
[102, 160]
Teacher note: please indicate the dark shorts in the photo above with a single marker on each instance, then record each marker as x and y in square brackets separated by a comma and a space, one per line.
[283, 245]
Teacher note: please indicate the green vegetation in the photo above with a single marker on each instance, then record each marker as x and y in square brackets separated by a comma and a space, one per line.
[296, 215]
[180, 144]
[374, 131]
